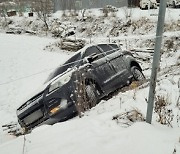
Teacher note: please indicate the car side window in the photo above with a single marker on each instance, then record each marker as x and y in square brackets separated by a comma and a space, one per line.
[114, 46]
[93, 50]
[106, 48]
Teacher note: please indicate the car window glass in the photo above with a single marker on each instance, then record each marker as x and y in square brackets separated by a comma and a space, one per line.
[73, 61]
[114, 46]
[93, 50]
[107, 49]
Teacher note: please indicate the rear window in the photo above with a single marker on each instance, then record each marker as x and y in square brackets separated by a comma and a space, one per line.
[108, 48]
[114, 46]
[105, 47]
[92, 50]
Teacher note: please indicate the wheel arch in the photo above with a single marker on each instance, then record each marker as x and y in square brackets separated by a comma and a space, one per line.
[134, 63]
[90, 80]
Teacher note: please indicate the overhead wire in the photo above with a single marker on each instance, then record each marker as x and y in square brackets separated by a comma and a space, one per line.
[47, 70]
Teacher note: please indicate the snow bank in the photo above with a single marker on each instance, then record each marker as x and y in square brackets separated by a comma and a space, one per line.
[86, 135]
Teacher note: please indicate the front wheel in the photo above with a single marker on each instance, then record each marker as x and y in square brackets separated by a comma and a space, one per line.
[91, 94]
[137, 73]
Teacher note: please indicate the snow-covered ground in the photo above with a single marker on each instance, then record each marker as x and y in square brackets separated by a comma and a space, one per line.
[24, 65]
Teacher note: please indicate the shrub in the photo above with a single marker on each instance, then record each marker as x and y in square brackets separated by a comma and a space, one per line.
[109, 9]
[165, 115]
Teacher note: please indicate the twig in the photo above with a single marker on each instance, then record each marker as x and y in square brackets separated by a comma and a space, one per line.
[178, 100]
[142, 51]
[24, 143]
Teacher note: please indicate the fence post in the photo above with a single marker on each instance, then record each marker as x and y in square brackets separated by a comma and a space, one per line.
[156, 59]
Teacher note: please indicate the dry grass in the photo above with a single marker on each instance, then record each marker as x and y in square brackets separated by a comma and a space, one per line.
[178, 100]
[126, 119]
[165, 115]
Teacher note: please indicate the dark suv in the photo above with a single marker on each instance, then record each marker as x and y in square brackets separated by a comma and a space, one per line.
[104, 67]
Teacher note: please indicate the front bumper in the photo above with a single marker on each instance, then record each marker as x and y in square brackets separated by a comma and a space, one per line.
[61, 116]
[37, 110]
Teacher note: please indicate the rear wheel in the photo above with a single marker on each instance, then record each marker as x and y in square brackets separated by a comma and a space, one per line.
[137, 73]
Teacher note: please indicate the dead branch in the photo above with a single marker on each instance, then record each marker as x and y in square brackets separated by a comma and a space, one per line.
[128, 118]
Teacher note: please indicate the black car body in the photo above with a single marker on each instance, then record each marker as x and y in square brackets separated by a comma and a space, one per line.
[106, 65]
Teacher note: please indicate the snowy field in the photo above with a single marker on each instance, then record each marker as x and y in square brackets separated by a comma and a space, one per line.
[24, 65]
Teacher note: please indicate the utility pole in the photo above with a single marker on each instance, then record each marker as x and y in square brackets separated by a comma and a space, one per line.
[156, 59]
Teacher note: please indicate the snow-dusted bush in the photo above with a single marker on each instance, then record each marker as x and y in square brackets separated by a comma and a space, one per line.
[127, 13]
[67, 45]
[178, 100]
[141, 26]
[72, 44]
[91, 26]
[172, 43]
[109, 9]
[165, 114]
[173, 26]
[59, 29]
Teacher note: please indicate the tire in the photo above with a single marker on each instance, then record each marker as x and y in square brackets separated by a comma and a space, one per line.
[91, 94]
[137, 74]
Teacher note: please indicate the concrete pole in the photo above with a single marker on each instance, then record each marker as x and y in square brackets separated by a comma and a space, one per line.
[156, 59]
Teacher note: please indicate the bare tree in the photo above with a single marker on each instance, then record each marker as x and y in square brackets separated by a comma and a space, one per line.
[63, 5]
[127, 13]
[178, 100]
[85, 95]
[3, 11]
[72, 6]
[68, 5]
[83, 14]
[21, 4]
[43, 8]
[9, 5]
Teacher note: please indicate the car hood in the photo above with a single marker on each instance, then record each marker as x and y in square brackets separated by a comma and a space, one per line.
[34, 93]
[45, 86]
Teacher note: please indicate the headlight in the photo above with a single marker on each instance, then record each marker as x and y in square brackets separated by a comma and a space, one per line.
[63, 105]
[60, 81]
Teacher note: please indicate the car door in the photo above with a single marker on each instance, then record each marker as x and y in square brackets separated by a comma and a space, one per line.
[101, 69]
[116, 61]
[122, 73]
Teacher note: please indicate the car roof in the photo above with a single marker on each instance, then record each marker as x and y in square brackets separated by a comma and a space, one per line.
[76, 59]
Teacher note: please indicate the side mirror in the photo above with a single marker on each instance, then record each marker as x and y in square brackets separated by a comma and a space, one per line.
[92, 58]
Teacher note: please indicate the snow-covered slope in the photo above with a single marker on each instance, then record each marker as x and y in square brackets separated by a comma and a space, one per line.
[91, 135]
[24, 66]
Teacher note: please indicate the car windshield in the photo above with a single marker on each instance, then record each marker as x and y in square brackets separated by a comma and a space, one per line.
[73, 61]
